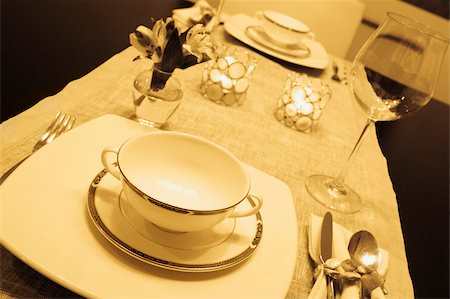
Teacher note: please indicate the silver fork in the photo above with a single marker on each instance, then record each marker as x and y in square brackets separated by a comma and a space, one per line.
[63, 122]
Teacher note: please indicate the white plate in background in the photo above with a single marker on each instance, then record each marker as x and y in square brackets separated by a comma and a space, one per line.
[237, 25]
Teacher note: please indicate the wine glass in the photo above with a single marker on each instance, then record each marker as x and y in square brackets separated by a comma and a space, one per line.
[392, 76]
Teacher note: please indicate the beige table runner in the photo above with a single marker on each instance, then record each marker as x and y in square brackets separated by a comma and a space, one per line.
[252, 133]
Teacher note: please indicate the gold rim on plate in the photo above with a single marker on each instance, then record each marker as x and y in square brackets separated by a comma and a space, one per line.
[161, 262]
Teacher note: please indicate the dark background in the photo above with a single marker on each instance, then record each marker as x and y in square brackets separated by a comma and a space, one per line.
[437, 7]
[47, 43]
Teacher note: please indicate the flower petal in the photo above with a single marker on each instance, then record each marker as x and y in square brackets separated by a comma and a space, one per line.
[160, 32]
[136, 42]
[198, 43]
[143, 40]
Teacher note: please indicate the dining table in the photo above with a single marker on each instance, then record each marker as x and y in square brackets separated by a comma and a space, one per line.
[249, 131]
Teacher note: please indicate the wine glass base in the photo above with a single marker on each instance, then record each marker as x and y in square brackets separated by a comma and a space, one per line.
[342, 198]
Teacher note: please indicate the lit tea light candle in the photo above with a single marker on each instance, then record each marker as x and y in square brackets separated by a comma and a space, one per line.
[301, 104]
[226, 79]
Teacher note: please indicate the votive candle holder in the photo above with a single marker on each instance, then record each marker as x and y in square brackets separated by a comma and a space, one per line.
[226, 79]
[301, 104]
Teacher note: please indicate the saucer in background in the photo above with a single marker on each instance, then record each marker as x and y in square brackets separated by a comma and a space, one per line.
[236, 26]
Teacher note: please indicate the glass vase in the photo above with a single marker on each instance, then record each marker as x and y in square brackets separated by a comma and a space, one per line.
[156, 96]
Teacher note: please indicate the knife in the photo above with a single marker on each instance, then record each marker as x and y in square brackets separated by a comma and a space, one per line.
[326, 248]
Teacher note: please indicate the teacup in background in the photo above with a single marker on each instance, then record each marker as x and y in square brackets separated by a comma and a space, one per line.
[179, 182]
[283, 29]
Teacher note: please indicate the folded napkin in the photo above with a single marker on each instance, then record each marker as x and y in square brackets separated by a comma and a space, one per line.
[341, 238]
[200, 12]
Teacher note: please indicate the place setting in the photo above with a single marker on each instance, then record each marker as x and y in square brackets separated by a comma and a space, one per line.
[228, 242]
[281, 33]
[280, 36]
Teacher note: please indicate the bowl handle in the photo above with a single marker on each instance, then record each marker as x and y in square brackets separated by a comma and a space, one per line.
[256, 202]
[111, 167]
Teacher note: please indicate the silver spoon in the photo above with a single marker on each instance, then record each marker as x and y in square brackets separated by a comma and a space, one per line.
[364, 251]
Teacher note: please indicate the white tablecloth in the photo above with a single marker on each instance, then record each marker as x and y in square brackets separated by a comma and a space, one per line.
[253, 134]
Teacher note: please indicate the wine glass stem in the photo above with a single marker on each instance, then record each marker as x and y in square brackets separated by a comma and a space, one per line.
[216, 20]
[219, 9]
[338, 183]
[218, 13]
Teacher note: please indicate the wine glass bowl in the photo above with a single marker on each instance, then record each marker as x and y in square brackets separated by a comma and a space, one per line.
[395, 73]
[393, 76]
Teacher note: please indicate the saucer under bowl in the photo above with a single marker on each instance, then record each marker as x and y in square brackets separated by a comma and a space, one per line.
[227, 244]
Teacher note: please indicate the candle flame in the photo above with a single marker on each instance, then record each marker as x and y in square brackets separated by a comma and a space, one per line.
[298, 94]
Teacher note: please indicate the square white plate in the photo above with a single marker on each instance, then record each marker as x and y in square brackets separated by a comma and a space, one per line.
[45, 223]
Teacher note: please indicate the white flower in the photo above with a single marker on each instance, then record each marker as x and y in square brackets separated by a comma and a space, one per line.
[153, 44]
[162, 29]
[143, 40]
[198, 43]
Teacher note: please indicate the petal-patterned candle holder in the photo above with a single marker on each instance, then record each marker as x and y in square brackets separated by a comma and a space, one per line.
[226, 79]
[302, 102]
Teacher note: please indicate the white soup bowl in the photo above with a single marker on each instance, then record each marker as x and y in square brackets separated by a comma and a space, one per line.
[283, 29]
[179, 182]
